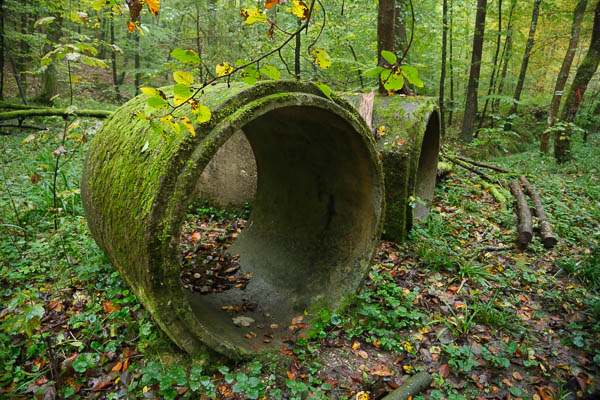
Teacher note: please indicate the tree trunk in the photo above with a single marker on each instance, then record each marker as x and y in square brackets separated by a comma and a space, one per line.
[49, 77]
[506, 54]
[385, 31]
[524, 64]
[586, 70]
[137, 64]
[113, 58]
[443, 72]
[1, 49]
[451, 110]
[22, 56]
[563, 75]
[471, 99]
[494, 63]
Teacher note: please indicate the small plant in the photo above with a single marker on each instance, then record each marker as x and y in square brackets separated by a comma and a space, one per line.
[460, 324]
[461, 358]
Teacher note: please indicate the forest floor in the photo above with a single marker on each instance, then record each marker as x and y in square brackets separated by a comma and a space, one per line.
[486, 324]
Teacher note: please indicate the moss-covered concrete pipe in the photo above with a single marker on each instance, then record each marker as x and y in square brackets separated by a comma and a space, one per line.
[315, 222]
[409, 147]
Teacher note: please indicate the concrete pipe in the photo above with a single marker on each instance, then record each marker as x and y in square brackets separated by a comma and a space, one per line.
[315, 222]
[408, 130]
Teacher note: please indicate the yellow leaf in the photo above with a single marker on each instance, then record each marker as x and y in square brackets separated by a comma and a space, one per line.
[361, 396]
[185, 78]
[224, 69]
[153, 6]
[150, 91]
[168, 120]
[300, 9]
[322, 59]
[188, 125]
[201, 112]
[252, 15]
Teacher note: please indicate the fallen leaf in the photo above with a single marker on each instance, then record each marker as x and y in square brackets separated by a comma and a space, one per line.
[242, 321]
[517, 376]
[382, 370]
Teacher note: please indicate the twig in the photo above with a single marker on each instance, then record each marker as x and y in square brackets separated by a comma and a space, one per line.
[496, 248]
[484, 165]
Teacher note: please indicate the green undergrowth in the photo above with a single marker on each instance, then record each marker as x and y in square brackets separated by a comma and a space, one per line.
[483, 322]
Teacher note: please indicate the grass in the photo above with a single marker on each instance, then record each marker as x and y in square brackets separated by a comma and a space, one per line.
[69, 323]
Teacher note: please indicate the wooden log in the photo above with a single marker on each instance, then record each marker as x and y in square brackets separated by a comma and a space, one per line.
[524, 227]
[411, 387]
[443, 169]
[495, 191]
[549, 240]
[17, 106]
[53, 112]
[365, 108]
[484, 165]
[465, 165]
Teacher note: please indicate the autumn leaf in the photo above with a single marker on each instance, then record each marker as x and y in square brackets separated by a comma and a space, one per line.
[361, 396]
[224, 69]
[300, 9]
[271, 3]
[253, 15]
[35, 178]
[322, 59]
[168, 121]
[382, 370]
[201, 112]
[187, 123]
[153, 6]
[130, 26]
[181, 94]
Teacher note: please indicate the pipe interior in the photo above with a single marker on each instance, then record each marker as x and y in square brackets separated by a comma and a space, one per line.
[427, 167]
[313, 218]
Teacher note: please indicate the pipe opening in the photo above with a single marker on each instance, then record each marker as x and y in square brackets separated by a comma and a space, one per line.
[427, 167]
[312, 218]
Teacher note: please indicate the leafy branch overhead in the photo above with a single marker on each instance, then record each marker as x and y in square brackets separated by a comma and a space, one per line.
[186, 89]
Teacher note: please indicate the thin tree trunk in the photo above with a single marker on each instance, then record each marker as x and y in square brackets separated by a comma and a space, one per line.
[525, 63]
[563, 75]
[113, 58]
[443, 72]
[49, 78]
[586, 70]
[504, 59]
[1, 49]
[137, 64]
[385, 32]
[494, 63]
[13, 64]
[23, 56]
[451, 108]
[401, 39]
[471, 98]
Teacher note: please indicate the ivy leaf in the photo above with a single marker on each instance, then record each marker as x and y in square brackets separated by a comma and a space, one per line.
[322, 59]
[188, 125]
[392, 81]
[224, 69]
[325, 89]
[157, 102]
[374, 71]
[253, 15]
[186, 56]
[181, 94]
[153, 6]
[412, 75]
[389, 57]
[185, 78]
[201, 112]
[300, 9]
[271, 72]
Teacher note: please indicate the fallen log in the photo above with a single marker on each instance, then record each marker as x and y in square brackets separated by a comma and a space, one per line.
[443, 169]
[524, 227]
[53, 112]
[411, 387]
[548, 237]
[495, 191]
[17, 106]
[484, 165]
[39, 128]
[465, 165]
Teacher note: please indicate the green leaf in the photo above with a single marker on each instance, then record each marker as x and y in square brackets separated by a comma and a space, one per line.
[201, 112]
[43, 21]
[374, 71]
[412, 75]
[186, 56]
[250, 75]
[325, 89]
[182, 93]
[157, 102]
[392, 81]
[389, 57]
[271, 72]
[182, 77]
